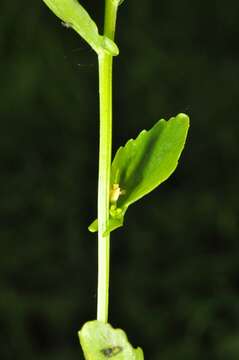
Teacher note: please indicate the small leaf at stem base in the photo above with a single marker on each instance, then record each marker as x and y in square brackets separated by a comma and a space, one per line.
[100, 341]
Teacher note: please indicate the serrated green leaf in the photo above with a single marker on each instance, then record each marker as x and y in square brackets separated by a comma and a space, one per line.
[101, 341]
[75, 16]
[144, 163]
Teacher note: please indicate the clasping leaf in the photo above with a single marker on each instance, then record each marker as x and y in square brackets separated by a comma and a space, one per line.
[74, 15]
[144, 163]
[100, 341]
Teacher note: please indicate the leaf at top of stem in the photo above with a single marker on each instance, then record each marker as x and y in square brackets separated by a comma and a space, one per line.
[100, 341]
[75, 16]
[143, 164]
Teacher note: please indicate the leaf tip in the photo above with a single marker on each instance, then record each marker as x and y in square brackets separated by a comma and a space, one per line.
[183, 117]
[93, 227]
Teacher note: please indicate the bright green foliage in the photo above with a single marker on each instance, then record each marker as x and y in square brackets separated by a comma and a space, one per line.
[144, 163]
[100, 341]
[76, 17]
[138, 168]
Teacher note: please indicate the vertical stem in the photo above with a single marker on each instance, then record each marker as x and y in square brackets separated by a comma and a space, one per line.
[105, 84]
[105, 92]
[111, 7]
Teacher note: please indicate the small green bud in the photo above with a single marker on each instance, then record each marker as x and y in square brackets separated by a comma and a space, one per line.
[115, 212]
[110, 46]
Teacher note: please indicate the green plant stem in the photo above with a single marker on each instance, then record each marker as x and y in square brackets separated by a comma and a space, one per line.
[105, 91]
[105, 66]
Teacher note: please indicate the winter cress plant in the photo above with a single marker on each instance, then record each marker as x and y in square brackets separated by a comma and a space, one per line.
[137, 168]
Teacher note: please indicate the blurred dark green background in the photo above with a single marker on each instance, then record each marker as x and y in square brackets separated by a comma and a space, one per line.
[175, 265]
